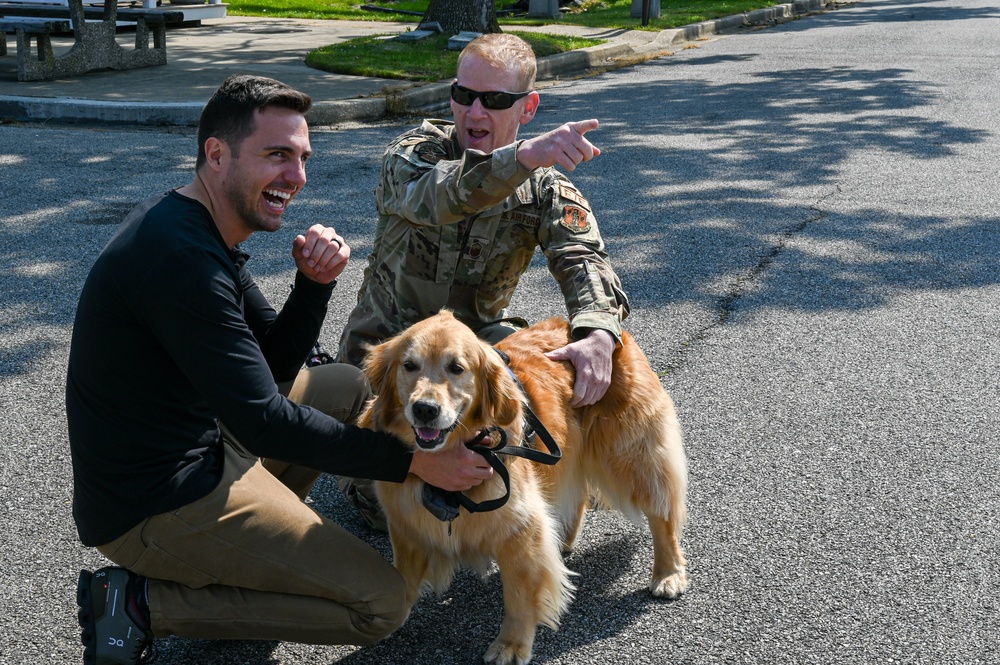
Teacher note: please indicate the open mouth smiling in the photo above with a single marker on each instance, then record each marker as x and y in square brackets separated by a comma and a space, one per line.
[429, 438]
[275, 199]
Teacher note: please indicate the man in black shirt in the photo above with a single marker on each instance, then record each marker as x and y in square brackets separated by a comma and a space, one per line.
[176, 390]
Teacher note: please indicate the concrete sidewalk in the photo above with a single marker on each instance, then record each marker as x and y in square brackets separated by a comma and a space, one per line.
[200, 57]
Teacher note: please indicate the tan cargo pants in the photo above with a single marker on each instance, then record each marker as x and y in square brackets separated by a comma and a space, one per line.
[252, 561]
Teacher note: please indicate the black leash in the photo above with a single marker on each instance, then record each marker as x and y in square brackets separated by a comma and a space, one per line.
[534, 426]
[445, 505]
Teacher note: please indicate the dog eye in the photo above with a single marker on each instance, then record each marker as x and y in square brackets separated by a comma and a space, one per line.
[410, 366]
[455, 368]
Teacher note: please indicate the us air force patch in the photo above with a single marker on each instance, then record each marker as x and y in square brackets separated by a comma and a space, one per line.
[575, 219]
[430, 152]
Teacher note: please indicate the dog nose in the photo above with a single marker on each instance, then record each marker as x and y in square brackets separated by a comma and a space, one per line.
[425, 412]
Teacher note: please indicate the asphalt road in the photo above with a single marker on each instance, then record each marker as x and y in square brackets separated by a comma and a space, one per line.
[805, 218]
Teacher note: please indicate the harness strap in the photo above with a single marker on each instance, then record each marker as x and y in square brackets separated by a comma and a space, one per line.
[491, 456]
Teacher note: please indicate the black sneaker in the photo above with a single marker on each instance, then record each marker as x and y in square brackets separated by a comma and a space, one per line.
[110, 635]
[360, 493]
[318, 356]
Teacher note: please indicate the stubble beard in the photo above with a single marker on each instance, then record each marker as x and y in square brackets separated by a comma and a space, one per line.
[244, 198]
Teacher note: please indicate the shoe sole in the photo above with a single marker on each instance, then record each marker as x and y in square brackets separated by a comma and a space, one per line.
[88, 627]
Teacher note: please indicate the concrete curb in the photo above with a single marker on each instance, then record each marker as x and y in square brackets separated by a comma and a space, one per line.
[72, 109]
[755, 18]
[426, 98]
[431, 97]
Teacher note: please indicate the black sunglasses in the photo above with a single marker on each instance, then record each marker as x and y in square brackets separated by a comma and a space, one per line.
[493, 100]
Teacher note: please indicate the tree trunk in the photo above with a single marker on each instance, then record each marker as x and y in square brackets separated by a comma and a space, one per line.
[463, 15]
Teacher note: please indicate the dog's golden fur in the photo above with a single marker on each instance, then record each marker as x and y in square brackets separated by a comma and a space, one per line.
[437, 375]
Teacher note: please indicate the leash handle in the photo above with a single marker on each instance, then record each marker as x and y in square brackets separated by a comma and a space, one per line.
[489, 454]
[444, 504]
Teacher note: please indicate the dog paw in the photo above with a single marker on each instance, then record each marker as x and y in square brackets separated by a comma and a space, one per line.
[671, 586]
[502, 653]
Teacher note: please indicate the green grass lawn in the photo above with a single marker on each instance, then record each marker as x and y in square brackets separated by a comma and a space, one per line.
[429, 60]
[597, 13]
[426, 60]
[326, 9]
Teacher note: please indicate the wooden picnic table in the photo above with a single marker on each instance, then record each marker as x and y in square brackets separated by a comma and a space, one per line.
[93, 29]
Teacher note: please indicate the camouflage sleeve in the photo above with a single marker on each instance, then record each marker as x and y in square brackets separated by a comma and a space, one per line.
[573, 245]
[424, 184]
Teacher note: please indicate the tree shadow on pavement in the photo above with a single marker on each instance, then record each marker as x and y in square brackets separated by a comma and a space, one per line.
[897, 11]
[176, 650]
[703, 185]
[457, 627]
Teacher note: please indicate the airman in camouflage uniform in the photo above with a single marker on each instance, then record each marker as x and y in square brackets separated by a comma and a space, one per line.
[461, 209]
[458, 229]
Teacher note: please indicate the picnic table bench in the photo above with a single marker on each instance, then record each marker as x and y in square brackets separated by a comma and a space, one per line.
[95, 46]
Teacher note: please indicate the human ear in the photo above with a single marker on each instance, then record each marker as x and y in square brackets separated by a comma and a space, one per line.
[530, 108]
[215, 150]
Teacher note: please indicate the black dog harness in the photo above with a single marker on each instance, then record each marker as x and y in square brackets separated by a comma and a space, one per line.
[445, 505]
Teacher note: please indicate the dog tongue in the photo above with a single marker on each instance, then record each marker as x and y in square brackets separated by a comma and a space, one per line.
[428, 434]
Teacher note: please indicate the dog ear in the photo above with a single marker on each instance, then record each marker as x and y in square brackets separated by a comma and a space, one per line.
[375, 364]
[500, 401]
[380, 368]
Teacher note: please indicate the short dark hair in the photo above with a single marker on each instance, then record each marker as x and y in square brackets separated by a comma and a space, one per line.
[230, 113]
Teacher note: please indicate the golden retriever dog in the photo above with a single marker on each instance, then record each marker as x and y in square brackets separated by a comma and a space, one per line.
[437, 385]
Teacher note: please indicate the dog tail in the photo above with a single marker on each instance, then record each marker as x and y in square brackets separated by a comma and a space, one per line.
[558, 597]
[558, 591]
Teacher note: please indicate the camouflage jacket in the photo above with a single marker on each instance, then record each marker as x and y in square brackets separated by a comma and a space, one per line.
[458, 230]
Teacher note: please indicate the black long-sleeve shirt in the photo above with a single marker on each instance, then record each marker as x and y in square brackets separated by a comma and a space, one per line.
[171, 336]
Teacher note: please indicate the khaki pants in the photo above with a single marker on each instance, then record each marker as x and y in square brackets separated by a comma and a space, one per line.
[252, 561]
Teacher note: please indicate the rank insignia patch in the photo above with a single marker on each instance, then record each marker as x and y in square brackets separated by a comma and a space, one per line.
[573, 195]
[575, 219]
